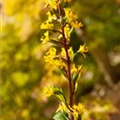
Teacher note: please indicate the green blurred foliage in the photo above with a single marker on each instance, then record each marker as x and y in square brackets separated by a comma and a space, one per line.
[23, 70]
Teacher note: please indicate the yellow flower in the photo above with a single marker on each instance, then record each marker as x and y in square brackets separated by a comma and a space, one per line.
[74, 69]
[72, 18]
[60, 63]
[47, 25]
[48, 91]
[52, 59]
[50, 55]
[77, 110]
[71, 53]
[67, 32]
[62, 107]
[83, 49]
[76, 24]
[52, 3]
[81, 69]
[45, 37]
[63, 54]
[69, 14]
[51, 17]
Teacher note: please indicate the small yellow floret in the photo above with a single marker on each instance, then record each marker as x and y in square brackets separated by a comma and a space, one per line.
[63, 54]
[83, 49]
[47, 25]
[67, 32]
[71, 53]
[50, 55]
[74, 69]
[76, 24]
[45, 37]
[81, 69]
[52, 3]
[48, 91]
[69, 14]
[77, 110]
[51, 17]
[72, 18]
[62, 107]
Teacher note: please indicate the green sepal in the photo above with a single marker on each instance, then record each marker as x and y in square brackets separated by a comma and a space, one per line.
[61, 97]
[75, 76]
[60, 116]
[64, 72]
[59, 94]
[79, 117]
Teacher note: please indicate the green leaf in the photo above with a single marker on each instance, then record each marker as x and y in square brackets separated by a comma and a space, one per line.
[60, 116]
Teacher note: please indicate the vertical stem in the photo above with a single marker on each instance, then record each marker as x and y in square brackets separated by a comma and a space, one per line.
[68, 63]
[69, 71]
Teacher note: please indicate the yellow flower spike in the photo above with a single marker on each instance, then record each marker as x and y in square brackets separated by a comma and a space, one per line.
[83, 49]
[48, 91]
[47, 25]
[45, 37]
[62, 107]
[77, 110]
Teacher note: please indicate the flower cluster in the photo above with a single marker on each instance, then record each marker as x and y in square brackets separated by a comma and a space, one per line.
[60, 23]
[72, 18]
[48, 91]
[77, 110]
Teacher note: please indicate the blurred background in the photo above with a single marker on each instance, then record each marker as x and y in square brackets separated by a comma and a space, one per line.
[24, 72]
